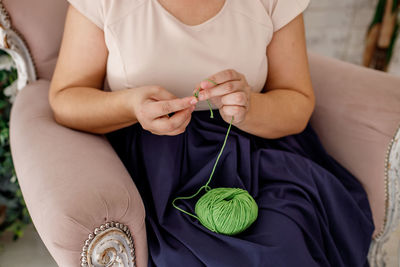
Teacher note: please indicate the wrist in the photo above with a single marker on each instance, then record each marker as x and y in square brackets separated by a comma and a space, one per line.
[249, 114]
[127, 99]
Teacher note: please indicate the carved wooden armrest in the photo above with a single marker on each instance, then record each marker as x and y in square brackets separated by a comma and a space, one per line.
[377, 256]
[13, 43]
[111, 244]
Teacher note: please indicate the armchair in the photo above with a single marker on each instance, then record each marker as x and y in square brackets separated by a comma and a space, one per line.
[81, 198]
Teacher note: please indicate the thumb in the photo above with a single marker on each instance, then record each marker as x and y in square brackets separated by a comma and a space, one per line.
[160, 93]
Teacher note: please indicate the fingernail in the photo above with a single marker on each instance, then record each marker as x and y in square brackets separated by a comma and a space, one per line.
[204, 84]
[193, 101]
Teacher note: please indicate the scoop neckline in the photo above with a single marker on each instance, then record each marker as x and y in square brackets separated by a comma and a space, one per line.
[197, 26]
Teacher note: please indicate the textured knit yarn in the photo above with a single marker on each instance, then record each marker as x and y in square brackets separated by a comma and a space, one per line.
[226, 211]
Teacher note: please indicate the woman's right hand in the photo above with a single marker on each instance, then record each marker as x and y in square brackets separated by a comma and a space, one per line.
[152, 104]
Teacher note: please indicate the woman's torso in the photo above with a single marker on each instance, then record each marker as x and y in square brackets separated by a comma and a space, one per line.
[150, 46]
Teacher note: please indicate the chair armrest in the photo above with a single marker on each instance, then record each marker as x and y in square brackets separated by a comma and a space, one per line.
[72, 181]
[357, 115]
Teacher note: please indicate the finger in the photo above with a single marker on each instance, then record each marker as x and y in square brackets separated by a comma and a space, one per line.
[236, 111]
[236, 120]
[236, 98]
[182, 128]
[160, 93]
[172, 123]
[220, 90]
[216, 101]
[221, 77]
[182, 125]
[197, 88]
[165, 107]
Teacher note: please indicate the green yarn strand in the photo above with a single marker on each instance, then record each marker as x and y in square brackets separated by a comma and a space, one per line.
[206, 187]
[208, 102]
[189, 197]
[196, 94]
[219, 155]
[211, 111]
[222, 210]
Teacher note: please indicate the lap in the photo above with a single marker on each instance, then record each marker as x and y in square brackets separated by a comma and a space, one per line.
[312, 212]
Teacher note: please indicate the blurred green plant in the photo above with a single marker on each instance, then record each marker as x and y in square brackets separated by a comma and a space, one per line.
[14, 215]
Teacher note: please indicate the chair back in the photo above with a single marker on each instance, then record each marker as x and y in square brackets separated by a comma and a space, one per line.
[40, 24]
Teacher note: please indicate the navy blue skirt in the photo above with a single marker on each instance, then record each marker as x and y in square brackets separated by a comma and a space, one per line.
[312, 211]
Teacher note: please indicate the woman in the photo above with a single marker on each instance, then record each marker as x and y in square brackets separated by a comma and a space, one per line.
[155, 55]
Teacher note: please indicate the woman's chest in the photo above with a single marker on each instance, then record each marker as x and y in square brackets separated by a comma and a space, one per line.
[150, 46]
[192, 12]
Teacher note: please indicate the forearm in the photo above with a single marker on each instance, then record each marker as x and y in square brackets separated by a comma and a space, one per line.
[92, 110]
[277, 113]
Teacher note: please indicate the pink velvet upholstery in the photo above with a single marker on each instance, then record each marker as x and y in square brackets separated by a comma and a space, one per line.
[356, 115]
[71, 181]
[41, 23]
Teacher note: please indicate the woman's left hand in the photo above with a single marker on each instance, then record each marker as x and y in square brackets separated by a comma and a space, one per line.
[231, 94]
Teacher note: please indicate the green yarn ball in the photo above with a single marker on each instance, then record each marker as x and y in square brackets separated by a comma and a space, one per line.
[223, 210]
[226, 211]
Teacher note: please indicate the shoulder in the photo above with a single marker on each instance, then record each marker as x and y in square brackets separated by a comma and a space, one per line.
[103, 12]
[283, 11]
[115, 9]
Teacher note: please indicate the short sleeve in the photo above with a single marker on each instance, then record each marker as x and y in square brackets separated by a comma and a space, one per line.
[92, 9]
[284, 11]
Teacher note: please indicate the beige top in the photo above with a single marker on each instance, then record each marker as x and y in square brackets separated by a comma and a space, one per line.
[149, 46]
